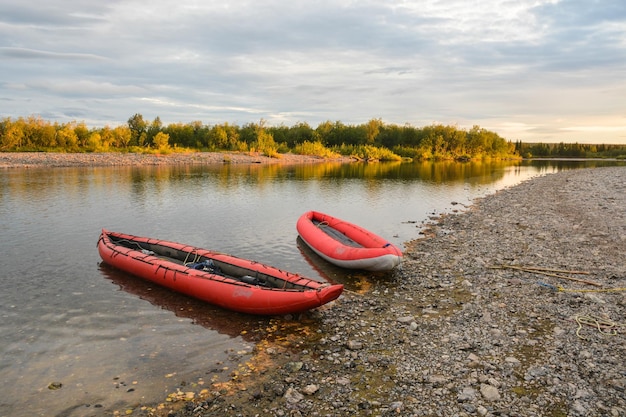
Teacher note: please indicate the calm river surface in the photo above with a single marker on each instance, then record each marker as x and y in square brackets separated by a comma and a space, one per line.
[113, 341]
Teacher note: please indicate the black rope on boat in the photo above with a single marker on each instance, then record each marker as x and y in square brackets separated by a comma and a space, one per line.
[159, 266]
[115, 253]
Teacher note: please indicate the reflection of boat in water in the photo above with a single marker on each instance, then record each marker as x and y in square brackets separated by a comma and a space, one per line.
[206, 315]
[326, 270]
[353, 280]
[346, 244]
[224, 280]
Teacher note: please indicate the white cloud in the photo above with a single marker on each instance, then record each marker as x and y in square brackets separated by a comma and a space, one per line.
[513, 66]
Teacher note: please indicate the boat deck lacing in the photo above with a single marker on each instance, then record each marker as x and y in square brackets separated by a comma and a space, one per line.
[148, 258]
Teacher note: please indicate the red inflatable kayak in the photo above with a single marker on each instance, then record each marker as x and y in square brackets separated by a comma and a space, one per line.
[346, 244]
[223, 280]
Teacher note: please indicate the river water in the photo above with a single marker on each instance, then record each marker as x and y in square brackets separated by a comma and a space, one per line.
[80, 338]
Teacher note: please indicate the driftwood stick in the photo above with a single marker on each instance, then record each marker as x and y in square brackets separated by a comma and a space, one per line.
[544, 271]
[536, 268]
[584, 281]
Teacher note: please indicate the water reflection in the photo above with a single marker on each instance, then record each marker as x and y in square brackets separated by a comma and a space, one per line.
[37, 183]
[225, 322]
[434, 172]
[359, 282]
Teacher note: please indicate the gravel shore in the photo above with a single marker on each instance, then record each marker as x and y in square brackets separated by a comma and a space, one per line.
[51, 159]
[466, 327]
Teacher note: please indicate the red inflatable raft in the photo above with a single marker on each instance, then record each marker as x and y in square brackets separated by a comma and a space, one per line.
[223, 280]
[345, 244]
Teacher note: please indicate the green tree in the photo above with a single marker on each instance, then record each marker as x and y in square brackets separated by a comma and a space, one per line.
[477, 141]
[389, 136]
[372, 128]
[66, 137]
[223, 137]
[324, 132]
[152, 130]
[138, 127]
[200, 134]
[218, 138]
[161, 141]
[122, 136]
[39, 133]
[181, 135]
[265, 141]
[82, 133]
[280, 134]
[94, 142]
[106, 137]
[300, 133]
[248, 134]
[11, 134]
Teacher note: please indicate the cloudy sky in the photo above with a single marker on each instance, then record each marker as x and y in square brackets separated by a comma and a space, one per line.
[530, 70]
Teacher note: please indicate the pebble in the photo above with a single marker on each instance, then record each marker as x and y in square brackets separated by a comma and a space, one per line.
[489, 392]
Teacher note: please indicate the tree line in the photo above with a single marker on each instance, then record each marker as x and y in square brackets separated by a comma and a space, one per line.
[569, 150]
[371, 140]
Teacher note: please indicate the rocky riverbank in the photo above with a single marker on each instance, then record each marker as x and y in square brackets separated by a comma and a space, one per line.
[51, 159]
[467, 327]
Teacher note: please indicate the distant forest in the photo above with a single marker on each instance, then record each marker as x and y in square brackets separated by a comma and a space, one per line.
[569, 150]
[373, 140]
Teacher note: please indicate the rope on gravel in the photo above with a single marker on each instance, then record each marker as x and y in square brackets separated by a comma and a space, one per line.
[605, 326]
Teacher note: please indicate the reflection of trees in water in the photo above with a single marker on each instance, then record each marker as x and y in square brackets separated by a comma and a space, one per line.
[142, 181]
[480, 172]
[437, 172]
[33, 184]
[557, 165]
